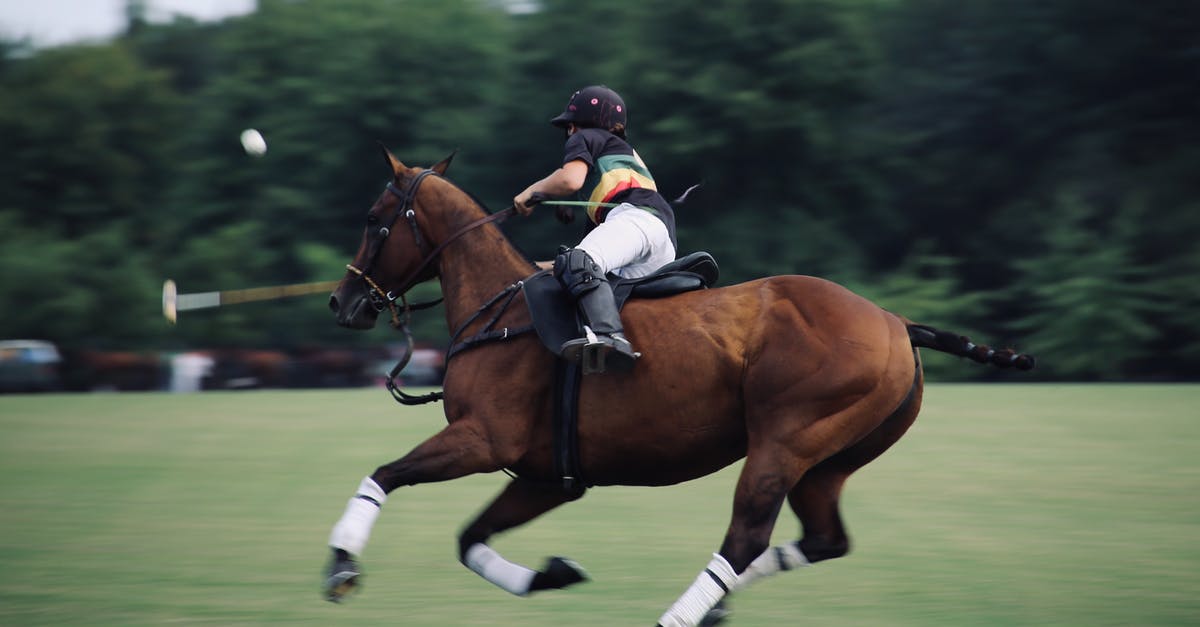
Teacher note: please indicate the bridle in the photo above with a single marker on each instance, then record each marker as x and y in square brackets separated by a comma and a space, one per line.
[386, 299]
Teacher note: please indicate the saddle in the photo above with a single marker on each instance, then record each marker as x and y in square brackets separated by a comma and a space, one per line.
[556, 320]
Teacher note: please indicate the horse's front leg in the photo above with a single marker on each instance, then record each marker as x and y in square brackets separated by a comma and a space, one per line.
[458, 450]
[520, 502]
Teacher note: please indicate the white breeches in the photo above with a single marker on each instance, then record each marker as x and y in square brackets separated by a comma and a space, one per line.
[630, 243]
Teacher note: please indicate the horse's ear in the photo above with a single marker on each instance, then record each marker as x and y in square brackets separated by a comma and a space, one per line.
[397, 166]
[441, 166]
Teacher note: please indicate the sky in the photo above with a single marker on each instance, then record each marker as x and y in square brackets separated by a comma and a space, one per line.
[54, 22]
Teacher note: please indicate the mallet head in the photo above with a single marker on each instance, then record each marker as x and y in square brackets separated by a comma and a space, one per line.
[170, 301]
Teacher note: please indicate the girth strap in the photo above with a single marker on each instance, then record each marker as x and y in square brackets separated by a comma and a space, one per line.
[567, 380]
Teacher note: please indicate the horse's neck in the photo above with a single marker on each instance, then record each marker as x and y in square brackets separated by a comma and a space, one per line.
[477, 266]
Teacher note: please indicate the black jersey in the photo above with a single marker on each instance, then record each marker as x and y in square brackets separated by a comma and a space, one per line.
[616, 174]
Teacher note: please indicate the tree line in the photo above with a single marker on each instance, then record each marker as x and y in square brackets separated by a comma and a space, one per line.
[1018, 170]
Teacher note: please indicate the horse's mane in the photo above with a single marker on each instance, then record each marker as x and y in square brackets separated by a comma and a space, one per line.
[483, 206]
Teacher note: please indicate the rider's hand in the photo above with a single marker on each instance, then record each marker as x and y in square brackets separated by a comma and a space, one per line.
[520, 202]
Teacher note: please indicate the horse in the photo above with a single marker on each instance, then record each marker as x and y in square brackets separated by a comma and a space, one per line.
[802, 378]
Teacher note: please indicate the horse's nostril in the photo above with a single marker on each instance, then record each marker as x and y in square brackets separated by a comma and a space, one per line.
[333, 304]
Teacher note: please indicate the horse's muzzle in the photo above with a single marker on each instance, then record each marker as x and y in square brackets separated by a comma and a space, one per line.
[356, 312]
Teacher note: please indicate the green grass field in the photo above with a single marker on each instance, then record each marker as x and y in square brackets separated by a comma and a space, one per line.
[1005, 505]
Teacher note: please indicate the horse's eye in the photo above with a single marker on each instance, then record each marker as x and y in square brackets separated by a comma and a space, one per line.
[372, 219]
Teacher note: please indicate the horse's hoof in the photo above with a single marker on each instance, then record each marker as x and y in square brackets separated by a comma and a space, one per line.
[342, 577]
[558, 572]
[716, 615]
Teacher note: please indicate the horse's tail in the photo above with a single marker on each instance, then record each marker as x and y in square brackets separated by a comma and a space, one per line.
[947, 342]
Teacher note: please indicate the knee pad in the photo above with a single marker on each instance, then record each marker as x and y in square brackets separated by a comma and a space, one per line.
[577, 272]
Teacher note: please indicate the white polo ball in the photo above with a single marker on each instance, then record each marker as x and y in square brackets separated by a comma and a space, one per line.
[254, 143]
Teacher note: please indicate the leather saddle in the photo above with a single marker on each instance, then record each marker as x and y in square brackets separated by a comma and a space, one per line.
[554, 315]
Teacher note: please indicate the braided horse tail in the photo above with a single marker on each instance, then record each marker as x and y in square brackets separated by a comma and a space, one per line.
[947, 342]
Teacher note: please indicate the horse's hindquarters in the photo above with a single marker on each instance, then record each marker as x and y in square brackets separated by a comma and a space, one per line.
[792, 360]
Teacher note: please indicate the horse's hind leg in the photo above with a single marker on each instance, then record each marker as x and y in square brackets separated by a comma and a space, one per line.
[456, 451]
[816, 495]
[768, 475]
[771, 474]
[520, 502]
[815, 498]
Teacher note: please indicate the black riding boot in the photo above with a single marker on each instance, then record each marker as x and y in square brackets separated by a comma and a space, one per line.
[604, 345]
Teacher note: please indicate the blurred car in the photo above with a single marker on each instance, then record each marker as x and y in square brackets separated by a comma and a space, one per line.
[29, 366]
[426, 367]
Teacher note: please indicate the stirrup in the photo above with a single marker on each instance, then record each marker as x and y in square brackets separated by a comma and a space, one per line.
[593, 353]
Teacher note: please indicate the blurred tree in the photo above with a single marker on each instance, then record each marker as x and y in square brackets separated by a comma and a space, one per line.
[135, 16]
[755, 100]
[1090, 307]
[926, 288]
[92, 291]
[1021, 169]
[991, 104]
[760, 101]
[183, 48]
[791, 242]
[323, 81]
[1177, 355]
[84, 129]
[86, 124]
[321, 112]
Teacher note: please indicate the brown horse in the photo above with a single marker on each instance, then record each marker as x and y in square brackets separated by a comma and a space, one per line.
[804, 379]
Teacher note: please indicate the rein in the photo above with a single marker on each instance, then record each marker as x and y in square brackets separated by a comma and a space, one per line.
[414, 276]
[401, 318]
[488, 334]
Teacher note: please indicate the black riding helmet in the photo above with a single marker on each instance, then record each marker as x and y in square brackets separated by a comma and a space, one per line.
[596, 106]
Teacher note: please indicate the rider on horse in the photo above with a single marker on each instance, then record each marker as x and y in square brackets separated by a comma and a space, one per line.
[631, 227]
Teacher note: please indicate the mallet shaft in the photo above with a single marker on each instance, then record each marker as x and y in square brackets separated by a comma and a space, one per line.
[174, 302]
[231, 297]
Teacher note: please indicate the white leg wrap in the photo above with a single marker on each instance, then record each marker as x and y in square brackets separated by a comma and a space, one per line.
[351, 532]
[774, 560]
[490, 565]
[710, 586]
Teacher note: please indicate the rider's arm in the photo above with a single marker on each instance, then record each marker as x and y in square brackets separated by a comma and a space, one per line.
[562, 182]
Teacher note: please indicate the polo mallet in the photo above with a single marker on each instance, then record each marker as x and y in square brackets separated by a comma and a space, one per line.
[173, 302]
